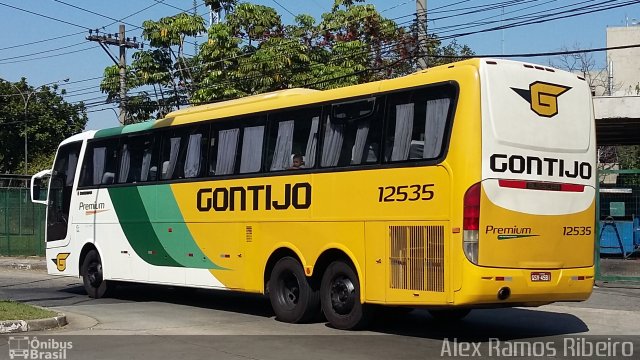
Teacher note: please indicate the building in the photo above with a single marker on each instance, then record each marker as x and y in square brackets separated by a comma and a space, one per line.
[623, 64]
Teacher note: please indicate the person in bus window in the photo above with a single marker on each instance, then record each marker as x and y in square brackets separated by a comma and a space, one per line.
[297, 162]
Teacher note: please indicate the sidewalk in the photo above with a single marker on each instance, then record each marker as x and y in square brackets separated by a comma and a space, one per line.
[24, 263]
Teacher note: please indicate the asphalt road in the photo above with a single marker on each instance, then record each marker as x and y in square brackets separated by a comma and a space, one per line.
[178, 323]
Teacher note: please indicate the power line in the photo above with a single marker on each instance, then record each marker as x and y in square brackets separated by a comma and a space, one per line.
[41, 52]
[95, 13]
[517, 18]
[386, 66]
[549, 53]
[516, 55]
[47, 57]
[284, 8]
[541, 19]
[79, 33]
[177, 8]
[44, 16]
[40, 41]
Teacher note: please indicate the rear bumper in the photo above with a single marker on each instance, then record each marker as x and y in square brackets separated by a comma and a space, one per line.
[480, 286]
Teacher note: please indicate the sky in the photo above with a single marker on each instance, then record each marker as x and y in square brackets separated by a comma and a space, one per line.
[45, 41]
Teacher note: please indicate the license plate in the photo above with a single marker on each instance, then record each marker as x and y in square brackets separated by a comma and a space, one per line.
[541, 276]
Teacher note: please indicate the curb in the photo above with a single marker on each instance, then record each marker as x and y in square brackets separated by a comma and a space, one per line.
[22, 266]
[16, 326]
[19, 263]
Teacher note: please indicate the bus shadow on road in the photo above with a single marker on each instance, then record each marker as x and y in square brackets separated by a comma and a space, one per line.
[482, 324]
[223, 300]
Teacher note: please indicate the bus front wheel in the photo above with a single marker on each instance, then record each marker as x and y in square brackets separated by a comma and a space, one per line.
[292, 297]
[340, 298]
[92, 276]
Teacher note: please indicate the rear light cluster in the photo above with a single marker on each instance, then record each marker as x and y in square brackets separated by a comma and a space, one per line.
[471, 223]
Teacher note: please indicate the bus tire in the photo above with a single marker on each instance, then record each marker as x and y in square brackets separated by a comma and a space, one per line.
[449, 314]
[293, 299]
[92, 276]
[340, 298]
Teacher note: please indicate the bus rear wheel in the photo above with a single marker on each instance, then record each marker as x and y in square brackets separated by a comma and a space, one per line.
[92, 276]
[340, 298]
[293, 299]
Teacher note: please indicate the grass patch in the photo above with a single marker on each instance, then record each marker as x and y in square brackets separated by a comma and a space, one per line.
[11, 310]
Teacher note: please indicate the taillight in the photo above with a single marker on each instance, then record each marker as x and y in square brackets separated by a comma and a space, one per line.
[471, 223]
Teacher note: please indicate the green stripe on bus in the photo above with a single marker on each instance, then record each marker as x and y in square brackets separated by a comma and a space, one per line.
[170, 229]
[124, 129]
[135, 223]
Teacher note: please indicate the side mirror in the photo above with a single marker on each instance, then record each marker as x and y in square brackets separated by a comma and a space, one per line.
[37, 181]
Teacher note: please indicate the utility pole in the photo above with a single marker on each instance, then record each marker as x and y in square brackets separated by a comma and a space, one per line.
[421, 24]
[123, 43]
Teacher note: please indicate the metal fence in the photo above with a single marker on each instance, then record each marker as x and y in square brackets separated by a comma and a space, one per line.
[618, 220]
[21, 222]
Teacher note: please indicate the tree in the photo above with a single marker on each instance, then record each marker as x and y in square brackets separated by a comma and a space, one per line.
[584, 64]
[251, 51]
[49, 119]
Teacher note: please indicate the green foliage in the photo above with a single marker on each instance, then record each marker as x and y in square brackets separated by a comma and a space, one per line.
[49, 120]
[172, 30]
[251, 51]
[629, 156]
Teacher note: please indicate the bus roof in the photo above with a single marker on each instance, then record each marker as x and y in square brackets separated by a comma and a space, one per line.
[292, 98]
[253, 99]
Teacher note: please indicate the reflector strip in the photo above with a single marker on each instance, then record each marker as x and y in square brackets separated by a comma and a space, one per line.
[540, 185]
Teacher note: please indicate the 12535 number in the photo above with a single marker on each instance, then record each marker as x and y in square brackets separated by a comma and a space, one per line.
[405, 193]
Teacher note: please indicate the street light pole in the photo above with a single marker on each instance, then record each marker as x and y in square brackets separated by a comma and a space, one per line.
[26, 122]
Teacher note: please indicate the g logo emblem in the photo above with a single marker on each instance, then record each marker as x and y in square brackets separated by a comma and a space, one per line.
[61, 261]
[543, 97]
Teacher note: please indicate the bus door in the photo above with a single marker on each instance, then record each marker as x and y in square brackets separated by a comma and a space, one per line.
[60, 193]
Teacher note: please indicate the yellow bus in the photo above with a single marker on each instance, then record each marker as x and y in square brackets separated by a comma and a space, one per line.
[463, 186]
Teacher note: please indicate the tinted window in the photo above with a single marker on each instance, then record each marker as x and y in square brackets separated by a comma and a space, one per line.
[416, 123]
[252, 140]
[293, 139]
[352, 133]
[138, 160]
[100, 163]
[183, 152]
[236, 147]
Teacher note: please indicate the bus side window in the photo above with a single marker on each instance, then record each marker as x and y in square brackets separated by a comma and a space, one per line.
[100, 163]
[252, 140]
[416, 123]
[183, 152]
[352, 133]
[222, 152]
[293, 140]
[136, 159]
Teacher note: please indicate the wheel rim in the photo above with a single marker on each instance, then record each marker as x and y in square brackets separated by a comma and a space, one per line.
[94, 273]
[289, 290]
[343, 293]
